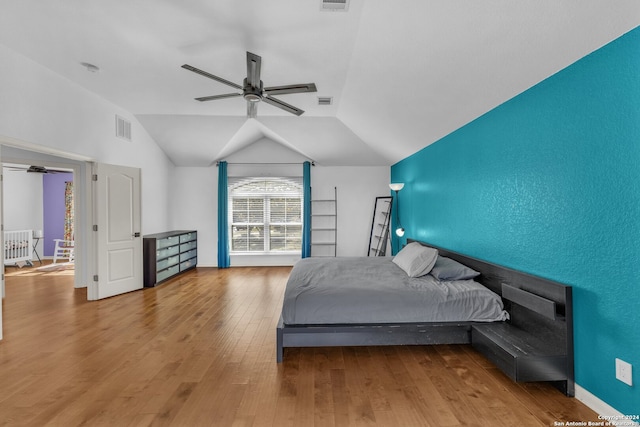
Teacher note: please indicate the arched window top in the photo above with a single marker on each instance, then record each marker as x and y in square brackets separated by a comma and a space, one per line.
[265, 186]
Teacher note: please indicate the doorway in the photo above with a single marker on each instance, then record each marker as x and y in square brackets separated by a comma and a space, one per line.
[79, 169]
[100, 200]
[19, 152]
[38, 212]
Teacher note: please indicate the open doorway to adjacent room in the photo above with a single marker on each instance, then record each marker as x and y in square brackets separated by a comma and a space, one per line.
[39, 224]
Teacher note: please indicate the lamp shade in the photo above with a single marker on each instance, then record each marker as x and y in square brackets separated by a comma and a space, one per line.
[396, 186]
[38, 234]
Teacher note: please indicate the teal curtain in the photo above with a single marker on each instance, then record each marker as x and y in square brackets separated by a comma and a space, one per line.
[223, 214]
[306, 209]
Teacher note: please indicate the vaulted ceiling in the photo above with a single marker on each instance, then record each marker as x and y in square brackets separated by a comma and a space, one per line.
[401, 74]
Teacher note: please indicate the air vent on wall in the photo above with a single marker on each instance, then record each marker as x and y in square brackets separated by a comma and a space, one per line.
[325, 100]
[123, 128]
[334, 5]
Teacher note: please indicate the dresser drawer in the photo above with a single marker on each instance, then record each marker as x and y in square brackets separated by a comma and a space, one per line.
[184, 247]
[187, 237]
[188, 255]
[165, 274]
[168, 262]
[167, 252]
[188, 264]
[167, 241]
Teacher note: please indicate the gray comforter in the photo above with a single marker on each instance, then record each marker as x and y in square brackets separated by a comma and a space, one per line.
[372, 290]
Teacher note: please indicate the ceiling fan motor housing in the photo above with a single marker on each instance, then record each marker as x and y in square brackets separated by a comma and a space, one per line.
[251, 93]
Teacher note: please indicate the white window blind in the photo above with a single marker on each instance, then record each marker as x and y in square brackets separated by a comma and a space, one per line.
[265, 214]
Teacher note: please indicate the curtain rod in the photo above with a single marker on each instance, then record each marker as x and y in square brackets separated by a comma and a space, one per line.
[265, 163]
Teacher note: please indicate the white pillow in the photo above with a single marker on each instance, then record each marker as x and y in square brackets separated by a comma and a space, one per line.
[416, 260]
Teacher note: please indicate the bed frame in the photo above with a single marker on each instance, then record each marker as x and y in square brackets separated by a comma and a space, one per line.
[18, 247]
[535, 345]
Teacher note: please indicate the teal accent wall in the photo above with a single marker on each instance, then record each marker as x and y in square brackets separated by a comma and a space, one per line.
[549, 183]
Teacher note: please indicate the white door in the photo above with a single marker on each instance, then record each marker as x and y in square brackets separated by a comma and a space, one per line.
[118, 240]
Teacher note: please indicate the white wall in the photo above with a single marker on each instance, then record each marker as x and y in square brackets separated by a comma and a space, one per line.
[357, 189]
[22, 207]
[22, 200]
[194, 204]
[40, 107]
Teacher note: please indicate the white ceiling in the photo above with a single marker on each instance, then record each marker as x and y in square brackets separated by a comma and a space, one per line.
[402, 74]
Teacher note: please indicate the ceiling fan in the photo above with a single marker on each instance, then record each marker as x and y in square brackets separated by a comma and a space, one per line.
[36, 169]
[253, 90]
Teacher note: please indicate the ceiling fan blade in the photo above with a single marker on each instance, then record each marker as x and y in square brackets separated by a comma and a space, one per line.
[211, 76]
[282, 90]
[253, 69]
[214, 97]
[283, 105]
[37, 169]
[252, 109]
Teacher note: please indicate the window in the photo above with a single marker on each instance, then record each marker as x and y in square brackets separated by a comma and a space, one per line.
[265, 215]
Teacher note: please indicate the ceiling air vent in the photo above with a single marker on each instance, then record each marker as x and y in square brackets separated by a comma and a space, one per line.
[123, 128]
[334, 5]
[325, 100]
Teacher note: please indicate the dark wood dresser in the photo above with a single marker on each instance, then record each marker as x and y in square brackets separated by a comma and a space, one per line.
[168, 254]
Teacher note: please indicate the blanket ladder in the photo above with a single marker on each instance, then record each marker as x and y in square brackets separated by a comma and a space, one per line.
[324, 226]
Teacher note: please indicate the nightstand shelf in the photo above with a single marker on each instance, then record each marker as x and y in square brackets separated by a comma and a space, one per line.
[521, 355]
[537, 343]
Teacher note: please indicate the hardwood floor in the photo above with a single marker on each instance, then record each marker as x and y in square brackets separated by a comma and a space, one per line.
[200, 351]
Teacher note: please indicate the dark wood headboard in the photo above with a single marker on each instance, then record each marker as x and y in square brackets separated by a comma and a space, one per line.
[493, 276]
[541, 311]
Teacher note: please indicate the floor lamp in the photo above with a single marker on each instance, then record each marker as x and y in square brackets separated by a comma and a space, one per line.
[397, 187]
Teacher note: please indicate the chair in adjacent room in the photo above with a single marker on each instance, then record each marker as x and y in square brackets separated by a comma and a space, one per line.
[63, 250]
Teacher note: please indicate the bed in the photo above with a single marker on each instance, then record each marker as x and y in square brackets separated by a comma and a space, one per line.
[523, 323]
[18, 247]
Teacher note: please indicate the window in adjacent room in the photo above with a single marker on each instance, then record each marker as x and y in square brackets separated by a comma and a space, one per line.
[265, 215]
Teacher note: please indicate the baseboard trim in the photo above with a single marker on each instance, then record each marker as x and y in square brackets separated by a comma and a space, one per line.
[603, 408]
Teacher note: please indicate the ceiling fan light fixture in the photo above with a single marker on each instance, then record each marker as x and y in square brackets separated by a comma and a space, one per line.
[252, 93]
[252, 97]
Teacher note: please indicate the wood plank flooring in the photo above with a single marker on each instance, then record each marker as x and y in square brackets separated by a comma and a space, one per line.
[200, 351]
